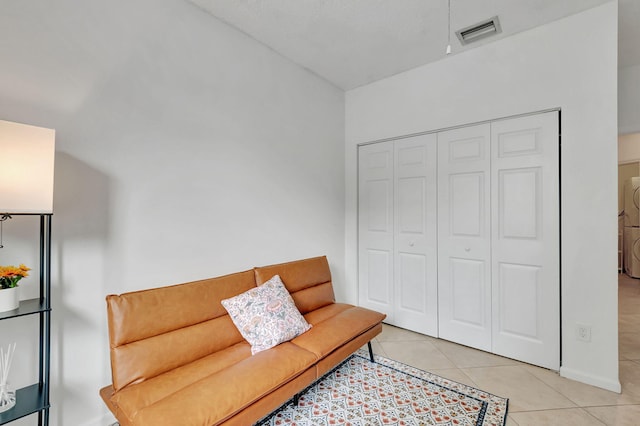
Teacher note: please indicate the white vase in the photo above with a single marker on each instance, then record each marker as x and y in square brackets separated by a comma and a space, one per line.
[7, 398]
[9, 299]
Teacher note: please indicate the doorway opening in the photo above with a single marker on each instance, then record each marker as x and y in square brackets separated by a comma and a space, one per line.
[628, 250]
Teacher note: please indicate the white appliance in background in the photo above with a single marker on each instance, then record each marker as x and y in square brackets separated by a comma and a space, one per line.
[631, 236]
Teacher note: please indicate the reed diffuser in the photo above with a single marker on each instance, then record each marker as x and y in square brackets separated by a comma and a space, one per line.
[7, 396]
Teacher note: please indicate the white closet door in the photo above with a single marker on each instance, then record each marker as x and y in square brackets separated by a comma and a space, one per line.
[416, 278]
[464, 236]
[525, 239]
[375, 227]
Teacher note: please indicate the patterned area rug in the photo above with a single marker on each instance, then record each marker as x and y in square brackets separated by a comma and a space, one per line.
[387, 392]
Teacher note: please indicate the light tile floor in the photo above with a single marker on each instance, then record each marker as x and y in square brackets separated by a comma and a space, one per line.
[536, 396]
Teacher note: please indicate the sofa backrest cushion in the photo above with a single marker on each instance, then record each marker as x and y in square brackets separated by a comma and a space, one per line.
[157, 330]
[308, 281]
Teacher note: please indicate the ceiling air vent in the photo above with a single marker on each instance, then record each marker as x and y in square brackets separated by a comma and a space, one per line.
[479, 31]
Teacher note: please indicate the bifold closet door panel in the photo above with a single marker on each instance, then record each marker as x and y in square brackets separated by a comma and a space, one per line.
[376, 227]
[397, 225]
[416, 277]
[464, 236]
[525, 239]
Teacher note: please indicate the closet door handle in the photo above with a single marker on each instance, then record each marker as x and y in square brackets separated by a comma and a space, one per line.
[467, 249]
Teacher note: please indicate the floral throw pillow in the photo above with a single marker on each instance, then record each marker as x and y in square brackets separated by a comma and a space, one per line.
[266, 315]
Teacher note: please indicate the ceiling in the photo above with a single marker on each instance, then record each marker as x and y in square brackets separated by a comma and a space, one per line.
[355, 42]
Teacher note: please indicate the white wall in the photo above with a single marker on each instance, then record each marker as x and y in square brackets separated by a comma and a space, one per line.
[185, 150]
[629, 99]
[557, 65]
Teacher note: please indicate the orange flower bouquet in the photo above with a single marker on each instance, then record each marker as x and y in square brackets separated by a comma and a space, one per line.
[10, 275]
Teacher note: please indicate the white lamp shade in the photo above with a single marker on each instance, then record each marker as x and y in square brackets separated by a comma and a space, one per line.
[26, 168]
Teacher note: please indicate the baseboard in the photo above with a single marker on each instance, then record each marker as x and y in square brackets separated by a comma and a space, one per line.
[106, 419]
[610, 385]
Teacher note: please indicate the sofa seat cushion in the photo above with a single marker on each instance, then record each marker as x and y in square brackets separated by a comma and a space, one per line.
[335, 325]
[215, 389]
[133, 398]
[329, 311]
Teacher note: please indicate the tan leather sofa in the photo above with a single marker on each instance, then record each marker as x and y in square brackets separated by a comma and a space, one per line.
[178, 359]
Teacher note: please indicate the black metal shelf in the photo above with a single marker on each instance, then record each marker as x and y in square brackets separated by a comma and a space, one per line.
[27, 307]
[29, 400]
[35, 398]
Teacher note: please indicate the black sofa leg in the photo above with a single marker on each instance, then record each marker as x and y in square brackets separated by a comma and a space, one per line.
[370, 350]
[296, 399]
